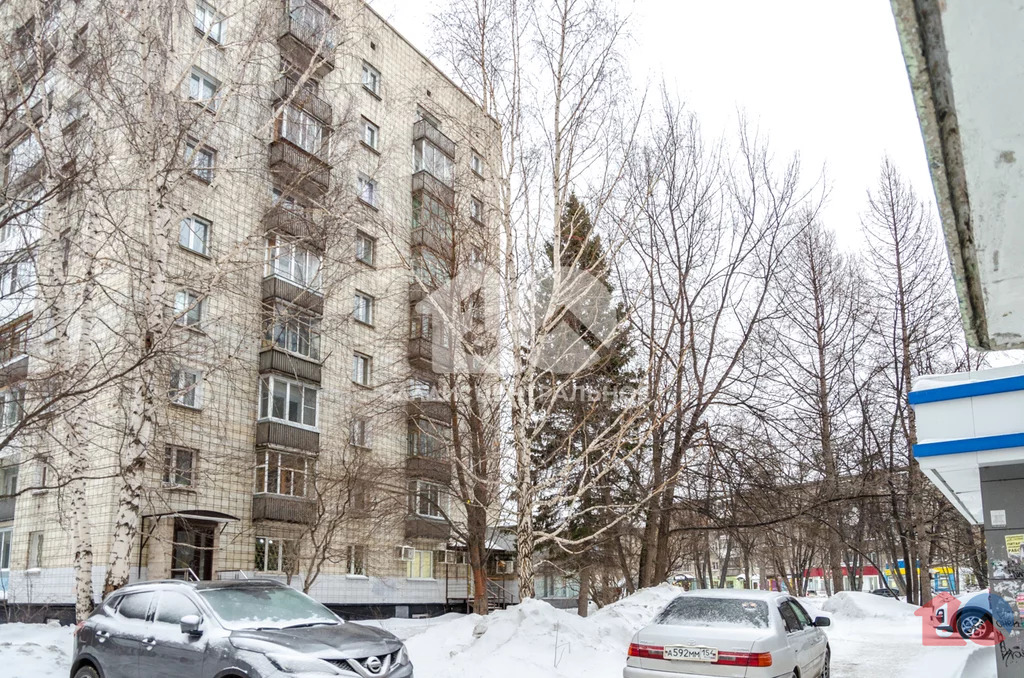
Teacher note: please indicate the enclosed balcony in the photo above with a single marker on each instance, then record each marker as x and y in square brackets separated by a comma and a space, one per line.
[278, 434]
[303, 98]
[434, 469]
[273, 359]
[297, 169]
[425, 181]
[437, 411]
[305, 224]
[418, 527]
[307, 37]
[283, 509]
[424, 129]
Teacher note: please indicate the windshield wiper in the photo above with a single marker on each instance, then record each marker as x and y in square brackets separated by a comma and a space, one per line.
[308, 624]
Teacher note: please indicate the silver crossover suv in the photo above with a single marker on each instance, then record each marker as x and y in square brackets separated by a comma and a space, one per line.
[228, 629]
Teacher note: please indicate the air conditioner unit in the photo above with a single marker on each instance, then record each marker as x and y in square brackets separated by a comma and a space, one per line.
[406, 553]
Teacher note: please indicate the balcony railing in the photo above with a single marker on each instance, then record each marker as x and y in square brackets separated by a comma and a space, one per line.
[284, 90]
[418, 527]
[280, 434]
[275, 288]
[428, 468]
[425, 181]
[296, 168]
[283, 508]
[305, 224]
[435, 410]
[307, 40]
[276, 360]
[424, 130]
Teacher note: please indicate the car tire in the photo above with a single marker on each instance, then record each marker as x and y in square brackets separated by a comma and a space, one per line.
[974, 625]
[826, 670]
[86, 672]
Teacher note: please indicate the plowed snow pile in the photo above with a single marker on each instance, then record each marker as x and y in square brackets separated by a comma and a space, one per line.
[35, 651]
[858, 605]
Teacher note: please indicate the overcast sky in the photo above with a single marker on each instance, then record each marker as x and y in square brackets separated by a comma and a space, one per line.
[824, 78]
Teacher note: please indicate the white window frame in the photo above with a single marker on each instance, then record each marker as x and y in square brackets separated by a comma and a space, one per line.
[476, 209]
[433, 507]
[12, 405]
[294, 330]
[288, 259]
[361, 432]
[362, 369]
[421, 565]
[304, 130]
[295, 475]
[189, 308]
[369, 190]
[429, 158]
[186, 388]
[363, 308]
[476, 163]
[355, 560]
[194, 234]
[283, 546]
[366, 248]
[209, 21]
[6, 541]
[194, 151]
[171, 470]
[371, 134]
[204, 89]
[371, 79]
[308, 399]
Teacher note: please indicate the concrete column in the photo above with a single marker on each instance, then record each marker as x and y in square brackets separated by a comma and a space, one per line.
[1002, 495]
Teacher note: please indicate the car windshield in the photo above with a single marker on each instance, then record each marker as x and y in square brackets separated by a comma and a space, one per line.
[266, 607]
[695, 611]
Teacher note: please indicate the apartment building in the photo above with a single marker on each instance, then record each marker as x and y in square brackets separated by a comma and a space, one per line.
[312, 178]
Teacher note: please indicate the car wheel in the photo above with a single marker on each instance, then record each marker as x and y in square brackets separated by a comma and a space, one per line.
[974, 625]
[86, 672]
[826, 670]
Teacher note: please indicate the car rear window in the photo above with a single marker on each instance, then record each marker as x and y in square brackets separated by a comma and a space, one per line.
[697, 611]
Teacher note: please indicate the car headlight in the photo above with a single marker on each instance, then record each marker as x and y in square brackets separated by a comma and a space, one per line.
[299, 663]
[403, 656]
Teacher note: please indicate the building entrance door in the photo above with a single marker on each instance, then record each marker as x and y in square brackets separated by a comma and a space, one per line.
[193, 549]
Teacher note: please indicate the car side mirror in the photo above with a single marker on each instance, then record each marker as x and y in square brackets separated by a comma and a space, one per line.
[822, 621]
[190, 625]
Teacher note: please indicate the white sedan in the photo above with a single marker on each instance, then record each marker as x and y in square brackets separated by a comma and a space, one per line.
[731, 634]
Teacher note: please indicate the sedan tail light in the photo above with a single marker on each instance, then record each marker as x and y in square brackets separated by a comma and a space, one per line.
[744, 659]
[646, 651]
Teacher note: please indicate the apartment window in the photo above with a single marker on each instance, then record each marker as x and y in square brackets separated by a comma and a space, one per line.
[363, 311]
[426, 499]
[430, 158]
[420, 389]
[179, 466]
[6, 538]
[194, 234]
[209, 22]
[476, 163]
[421, 566]
[360, 434]
[188, 308]
[368, 192]
[476, 210]
[302, 129]
[186, 387]
[273, 555]
[371, 134]
[289, 401]
[15, 276]
[23, 218]
[429, 269]
[362, 367]
[425, 439]
[281, 473]
[200, 159]
[8, 481]
[12, 404]
[366, 248]
[35, 550]
[356, 560]
[371, 79]
[23, 157]
[431, 214]
[203, 88]
[295, 330]
[289, 260]
[14, 339]
[43, 464]
[312, 21]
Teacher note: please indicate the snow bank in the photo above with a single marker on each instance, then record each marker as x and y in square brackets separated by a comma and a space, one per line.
[859, 605]
[35, 650]
[981, 663]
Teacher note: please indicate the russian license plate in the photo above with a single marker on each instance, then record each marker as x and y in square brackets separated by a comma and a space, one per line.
[691, 653]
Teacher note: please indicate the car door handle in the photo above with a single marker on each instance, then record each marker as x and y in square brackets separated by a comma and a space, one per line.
[149, 642]
[101, 636]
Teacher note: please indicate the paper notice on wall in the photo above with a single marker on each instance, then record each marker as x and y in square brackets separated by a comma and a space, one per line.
[1014, 555]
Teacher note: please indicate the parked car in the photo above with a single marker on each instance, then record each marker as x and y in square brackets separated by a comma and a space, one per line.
[731, 634]
[887, 593]
[228, 629]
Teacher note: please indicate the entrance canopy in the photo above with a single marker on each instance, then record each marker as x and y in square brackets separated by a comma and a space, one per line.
[968, 422]
[208, 516]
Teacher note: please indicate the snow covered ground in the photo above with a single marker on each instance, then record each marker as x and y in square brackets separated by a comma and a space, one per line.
[870, 637]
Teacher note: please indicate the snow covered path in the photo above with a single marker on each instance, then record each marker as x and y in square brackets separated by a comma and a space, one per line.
[871, 637]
